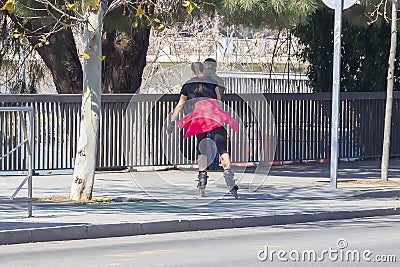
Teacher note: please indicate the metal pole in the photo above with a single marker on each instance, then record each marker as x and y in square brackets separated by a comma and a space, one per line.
[336, 92]
[30, 161]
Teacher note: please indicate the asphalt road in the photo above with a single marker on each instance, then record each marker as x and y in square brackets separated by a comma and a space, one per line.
[359, 242]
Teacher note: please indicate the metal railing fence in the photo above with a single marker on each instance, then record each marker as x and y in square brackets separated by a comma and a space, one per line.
[132, 129]
[17, 123]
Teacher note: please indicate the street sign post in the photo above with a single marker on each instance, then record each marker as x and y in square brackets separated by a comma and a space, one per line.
[338, 6]
[333, 3]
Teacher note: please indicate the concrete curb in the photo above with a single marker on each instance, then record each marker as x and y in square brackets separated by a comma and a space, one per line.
[379, 194]
[88, 231]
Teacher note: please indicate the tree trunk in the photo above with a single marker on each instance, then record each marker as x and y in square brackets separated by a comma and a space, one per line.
[389, 97]
[61, 57]
[86, 157]
[125, 60]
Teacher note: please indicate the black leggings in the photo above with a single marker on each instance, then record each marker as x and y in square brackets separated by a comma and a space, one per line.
[218, 135]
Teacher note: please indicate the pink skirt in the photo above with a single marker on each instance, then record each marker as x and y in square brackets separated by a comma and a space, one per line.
[206, 116]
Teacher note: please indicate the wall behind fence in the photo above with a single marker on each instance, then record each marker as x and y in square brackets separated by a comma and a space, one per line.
[253, 82]
[132, 129]
[170, 80]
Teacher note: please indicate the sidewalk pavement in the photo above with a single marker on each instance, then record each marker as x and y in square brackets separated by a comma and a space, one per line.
[167, 201]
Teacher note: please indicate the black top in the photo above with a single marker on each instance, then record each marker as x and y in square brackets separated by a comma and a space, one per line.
[191, 88]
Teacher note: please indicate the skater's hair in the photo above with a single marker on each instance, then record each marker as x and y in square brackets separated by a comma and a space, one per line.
[210, 64]
[198, 70]
[210, 59]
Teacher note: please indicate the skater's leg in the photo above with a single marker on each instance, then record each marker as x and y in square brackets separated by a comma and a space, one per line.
[202, 183]
[202, 162]
[225, 161]
[230, 182]
[220, 137]
[201, 148]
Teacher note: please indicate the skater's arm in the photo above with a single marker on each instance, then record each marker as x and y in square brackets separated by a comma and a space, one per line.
[178, 107]
[218, 95]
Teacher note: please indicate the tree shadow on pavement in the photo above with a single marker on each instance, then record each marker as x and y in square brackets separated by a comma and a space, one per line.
[368, 169]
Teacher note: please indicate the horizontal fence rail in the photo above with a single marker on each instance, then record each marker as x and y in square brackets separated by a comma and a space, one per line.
[272, 127]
